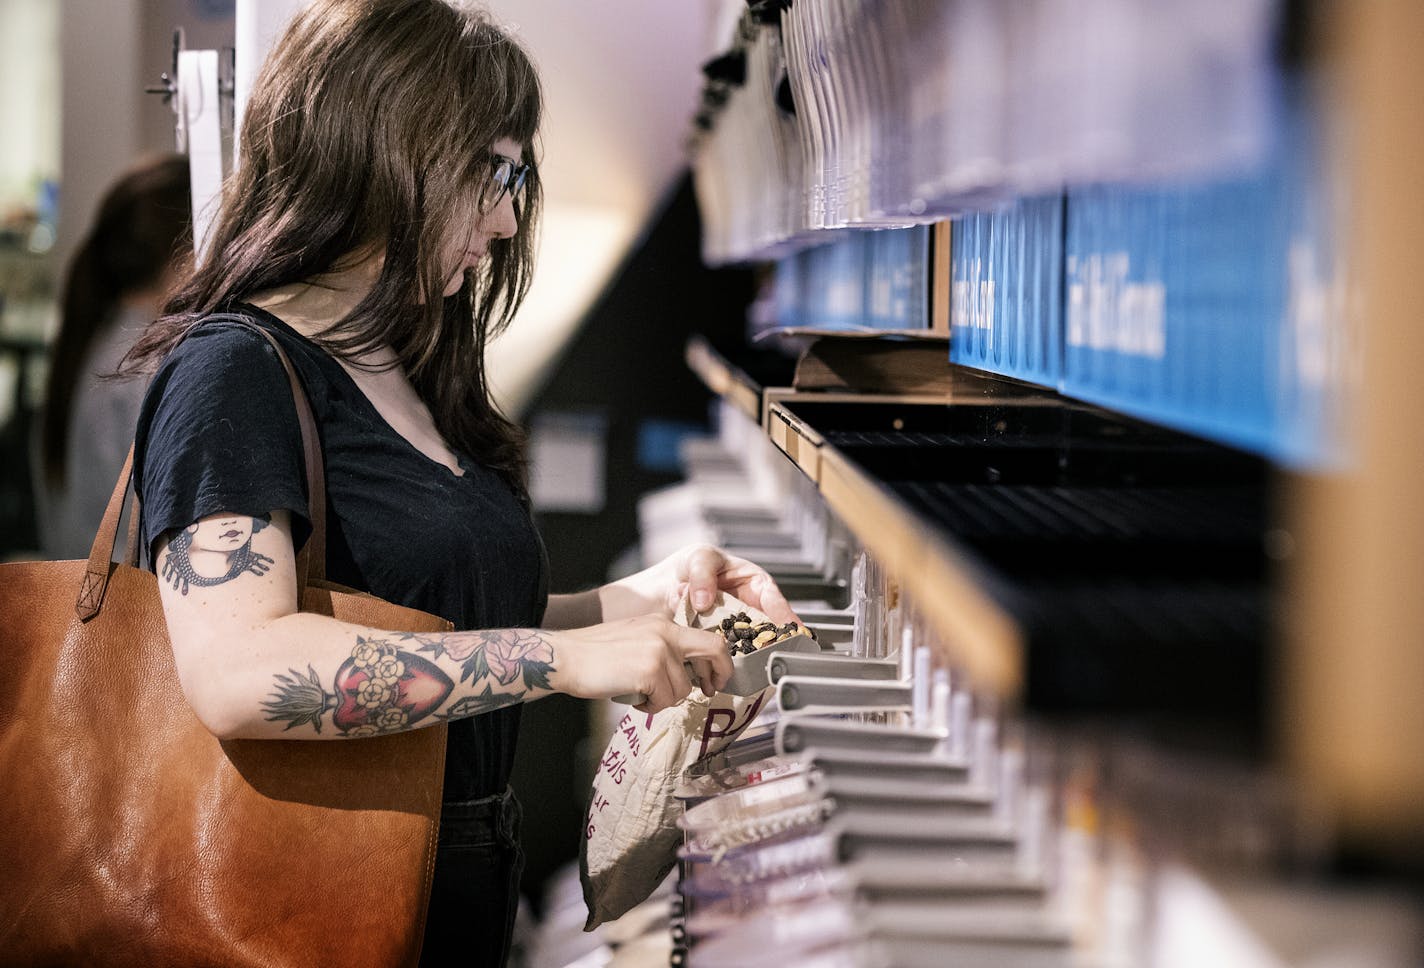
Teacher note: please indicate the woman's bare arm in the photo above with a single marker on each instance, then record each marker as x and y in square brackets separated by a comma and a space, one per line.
[573, 611]
[253, 666]
[698, 572]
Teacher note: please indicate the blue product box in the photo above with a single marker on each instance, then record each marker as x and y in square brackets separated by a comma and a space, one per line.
[877, 279]
[839, 283]
[1006, 290]
[1211, 307]
[1168, 297]
[789, 289]
[897, 287]
[1316, 345]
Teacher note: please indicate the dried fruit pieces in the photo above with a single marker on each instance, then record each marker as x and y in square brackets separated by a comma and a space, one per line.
[745, 636]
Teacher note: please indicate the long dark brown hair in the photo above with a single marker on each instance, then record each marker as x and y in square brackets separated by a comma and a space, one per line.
[139, 231]
[369, 130]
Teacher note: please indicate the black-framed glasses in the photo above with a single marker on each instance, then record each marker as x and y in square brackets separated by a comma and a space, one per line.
[508, 176]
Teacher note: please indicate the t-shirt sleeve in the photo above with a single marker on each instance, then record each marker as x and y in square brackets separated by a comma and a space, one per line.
[218, 432]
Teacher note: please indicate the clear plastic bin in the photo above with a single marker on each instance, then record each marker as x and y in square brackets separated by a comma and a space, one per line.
[715, 840]
[712, 777]
[754, 800]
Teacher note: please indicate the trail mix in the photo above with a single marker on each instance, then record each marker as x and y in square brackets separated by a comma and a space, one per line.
[745, 636]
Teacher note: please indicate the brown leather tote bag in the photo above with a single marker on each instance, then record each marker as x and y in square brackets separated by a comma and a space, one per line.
[129, 835]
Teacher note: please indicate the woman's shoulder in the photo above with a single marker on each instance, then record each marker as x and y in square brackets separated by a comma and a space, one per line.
[238, 338]
[223, 335]
[221, 356]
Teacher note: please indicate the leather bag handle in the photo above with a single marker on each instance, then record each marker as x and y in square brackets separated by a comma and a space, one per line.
[311, 560]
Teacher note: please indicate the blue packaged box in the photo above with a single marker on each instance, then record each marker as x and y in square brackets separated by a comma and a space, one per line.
[837, 294]
[1006, 290]
[1316, 344]
[877, 279]
[897, 286]
[789, 288]
[1212, 307]
[1168, 298]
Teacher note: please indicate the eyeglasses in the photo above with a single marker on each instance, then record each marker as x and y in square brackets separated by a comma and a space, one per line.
[508, 177]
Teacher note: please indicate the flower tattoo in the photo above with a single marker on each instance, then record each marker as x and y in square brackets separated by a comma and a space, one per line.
[505, 654]
[515, 652]
[381, 688]
[368, 652]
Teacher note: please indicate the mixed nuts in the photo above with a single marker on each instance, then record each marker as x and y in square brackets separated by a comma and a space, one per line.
[745, 636]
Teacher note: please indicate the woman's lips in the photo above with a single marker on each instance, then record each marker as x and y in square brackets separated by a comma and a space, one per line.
[231, 534]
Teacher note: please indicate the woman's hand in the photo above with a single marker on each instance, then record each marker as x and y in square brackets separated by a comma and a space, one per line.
[700, 572]
[639, 655]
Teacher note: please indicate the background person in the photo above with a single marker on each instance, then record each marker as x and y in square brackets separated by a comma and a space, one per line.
[137, 247]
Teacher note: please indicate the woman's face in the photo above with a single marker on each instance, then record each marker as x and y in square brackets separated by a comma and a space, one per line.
[474, 233]
[223, 535]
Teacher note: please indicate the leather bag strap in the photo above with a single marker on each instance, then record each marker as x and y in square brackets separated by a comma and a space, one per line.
[311, 561]
[96, 575]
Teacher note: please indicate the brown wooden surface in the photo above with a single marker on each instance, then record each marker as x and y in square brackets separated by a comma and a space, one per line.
[723, 379]
[771, 396]
[970, 629]
[940, 278]
[797, 441]
[1354, 721]
[883, 366]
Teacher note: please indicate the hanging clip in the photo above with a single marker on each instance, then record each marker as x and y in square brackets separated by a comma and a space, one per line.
[167, 88]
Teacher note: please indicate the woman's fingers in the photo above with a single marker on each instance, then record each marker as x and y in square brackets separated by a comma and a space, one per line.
[771, 601]
[707, 649]
[707, 571]
[661, 658]
[670, 683]
[703, 567]
[750, 583]
[679, 682]
[659, 692]
[706, 676]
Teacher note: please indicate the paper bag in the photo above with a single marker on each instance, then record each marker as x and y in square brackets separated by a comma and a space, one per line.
[630, 835]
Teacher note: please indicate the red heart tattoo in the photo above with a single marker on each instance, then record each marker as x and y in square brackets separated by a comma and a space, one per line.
[381, 689]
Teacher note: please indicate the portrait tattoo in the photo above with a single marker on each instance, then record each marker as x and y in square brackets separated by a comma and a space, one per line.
[213, 551]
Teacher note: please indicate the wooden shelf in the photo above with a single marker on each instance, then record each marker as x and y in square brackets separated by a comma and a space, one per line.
[976, 633]
[1351, 716]
[798, 440]
[891, 467]
[723, 379]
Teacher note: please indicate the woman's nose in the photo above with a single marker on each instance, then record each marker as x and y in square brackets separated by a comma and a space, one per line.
[502, 222]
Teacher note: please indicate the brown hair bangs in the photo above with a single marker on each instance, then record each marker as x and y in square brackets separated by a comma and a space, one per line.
[369, 130]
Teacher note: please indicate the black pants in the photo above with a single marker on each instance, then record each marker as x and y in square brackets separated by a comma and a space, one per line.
[475, 891]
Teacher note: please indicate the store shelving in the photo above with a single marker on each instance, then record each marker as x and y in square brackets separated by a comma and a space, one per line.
[1068, 558]
[1080, 555]
[724, 379]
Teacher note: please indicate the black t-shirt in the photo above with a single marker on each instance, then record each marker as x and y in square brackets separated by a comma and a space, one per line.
[218, 432]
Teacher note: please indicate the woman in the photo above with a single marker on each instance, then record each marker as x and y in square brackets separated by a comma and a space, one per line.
[136, 248]
[380, 226]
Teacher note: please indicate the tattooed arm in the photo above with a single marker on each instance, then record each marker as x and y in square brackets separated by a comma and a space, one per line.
[253, 666]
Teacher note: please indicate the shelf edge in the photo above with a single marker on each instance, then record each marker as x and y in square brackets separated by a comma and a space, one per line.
[973, 631]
